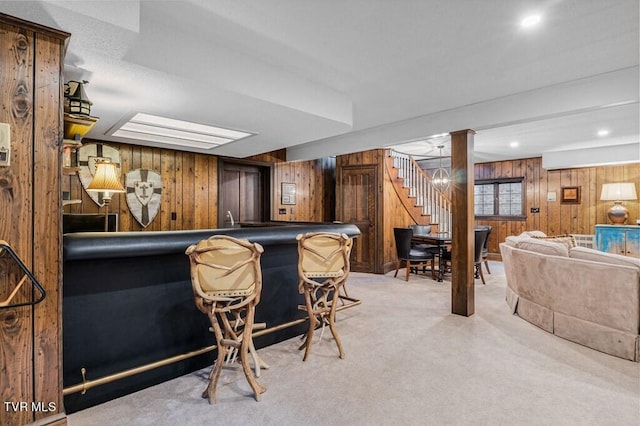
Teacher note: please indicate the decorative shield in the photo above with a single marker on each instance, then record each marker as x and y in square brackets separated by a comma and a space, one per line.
[88, 155]
[144, 192]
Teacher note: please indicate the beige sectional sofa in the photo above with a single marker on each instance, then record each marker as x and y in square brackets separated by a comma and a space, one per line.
[580, 294]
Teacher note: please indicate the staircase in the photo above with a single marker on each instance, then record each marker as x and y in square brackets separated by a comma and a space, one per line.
[423, 197]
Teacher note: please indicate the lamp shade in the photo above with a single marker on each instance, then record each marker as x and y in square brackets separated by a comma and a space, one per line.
[106, 178]
[618, 191]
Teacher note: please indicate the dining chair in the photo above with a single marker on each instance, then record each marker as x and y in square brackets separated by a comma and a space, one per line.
[412, 257]
[480, 239]
[485, 247]
[481, 235]
[226, 281]
[323, 269]
[423, 230]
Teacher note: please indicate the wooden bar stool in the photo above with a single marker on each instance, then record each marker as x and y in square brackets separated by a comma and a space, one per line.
[227, 280]
[323, 268]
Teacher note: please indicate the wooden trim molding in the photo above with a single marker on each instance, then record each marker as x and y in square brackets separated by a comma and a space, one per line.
[32, 26]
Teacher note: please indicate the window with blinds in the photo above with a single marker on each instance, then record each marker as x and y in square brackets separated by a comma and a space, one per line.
[500, 198]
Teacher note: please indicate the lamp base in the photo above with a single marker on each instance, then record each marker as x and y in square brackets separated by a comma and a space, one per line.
[618, 213]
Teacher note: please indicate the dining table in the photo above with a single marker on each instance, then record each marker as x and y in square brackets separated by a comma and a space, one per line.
[442, 240]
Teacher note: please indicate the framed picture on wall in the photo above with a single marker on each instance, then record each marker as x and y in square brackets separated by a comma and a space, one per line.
[288, 193]
[570, 195]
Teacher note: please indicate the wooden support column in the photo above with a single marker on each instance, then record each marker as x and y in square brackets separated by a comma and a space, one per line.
[31, 102]
[462, 269]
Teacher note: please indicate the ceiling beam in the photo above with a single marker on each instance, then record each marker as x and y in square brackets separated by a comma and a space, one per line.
[601, 91]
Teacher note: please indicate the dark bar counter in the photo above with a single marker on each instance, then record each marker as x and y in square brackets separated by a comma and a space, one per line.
[127, 302]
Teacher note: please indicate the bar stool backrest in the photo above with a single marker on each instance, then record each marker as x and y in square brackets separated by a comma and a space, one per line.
[323, 255]
[223, 266]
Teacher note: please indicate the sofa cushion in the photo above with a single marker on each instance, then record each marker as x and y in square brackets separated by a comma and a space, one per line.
[585, 253]
[543, 247]
[567, 240]
[513, 240]
[532, 234]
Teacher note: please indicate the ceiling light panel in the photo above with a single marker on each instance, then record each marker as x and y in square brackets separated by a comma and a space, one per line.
[162, 139]
[158, 129]
[173, 133]
[188, 126]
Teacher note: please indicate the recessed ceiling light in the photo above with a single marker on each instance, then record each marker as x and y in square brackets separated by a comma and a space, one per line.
[514, 144]
[530, 21]
[153, 128]
[603, 132]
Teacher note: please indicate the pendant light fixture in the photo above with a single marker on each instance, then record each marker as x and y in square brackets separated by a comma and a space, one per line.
[440, 177]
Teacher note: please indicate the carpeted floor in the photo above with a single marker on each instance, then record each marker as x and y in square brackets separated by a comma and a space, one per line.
[409, 361]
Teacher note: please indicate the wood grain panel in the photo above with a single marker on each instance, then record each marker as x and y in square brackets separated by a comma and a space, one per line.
[167, 205]
[555, 217]
[47, 241]
[126, 221]
[30, 189]
[278, 156]
[16, 339]
[315, 190]
[201, 192]
[213, 191]
[190, 188]
[188, 191]
[462, 235]
[394, 216]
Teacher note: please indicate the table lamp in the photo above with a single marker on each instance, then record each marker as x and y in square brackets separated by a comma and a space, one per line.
[618, 192]
[106, 180]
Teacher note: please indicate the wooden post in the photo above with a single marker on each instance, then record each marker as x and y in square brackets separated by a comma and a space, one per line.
[462, 281]
[30, 211]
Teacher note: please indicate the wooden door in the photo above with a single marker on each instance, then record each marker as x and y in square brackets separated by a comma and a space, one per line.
[243, 194]
[358, 206]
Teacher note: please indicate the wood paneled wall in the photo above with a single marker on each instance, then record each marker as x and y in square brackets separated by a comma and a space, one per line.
[189, 189]
[395, 216]
[31, 103]
[315, 187]
[554, 216]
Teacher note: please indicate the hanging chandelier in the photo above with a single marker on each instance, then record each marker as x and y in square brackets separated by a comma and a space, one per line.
[440, 176]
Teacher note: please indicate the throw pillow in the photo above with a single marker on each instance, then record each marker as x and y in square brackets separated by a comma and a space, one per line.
[532, 234]
[568, 240]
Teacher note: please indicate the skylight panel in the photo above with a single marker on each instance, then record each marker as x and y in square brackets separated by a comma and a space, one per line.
[158, 129]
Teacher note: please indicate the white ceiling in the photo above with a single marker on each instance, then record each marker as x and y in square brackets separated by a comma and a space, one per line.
[336, 76]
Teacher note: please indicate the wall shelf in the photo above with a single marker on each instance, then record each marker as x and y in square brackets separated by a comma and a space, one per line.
[70, 171]
[69, 202]
[75, 128]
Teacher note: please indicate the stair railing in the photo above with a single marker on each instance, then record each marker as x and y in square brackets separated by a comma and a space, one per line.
[433, 201]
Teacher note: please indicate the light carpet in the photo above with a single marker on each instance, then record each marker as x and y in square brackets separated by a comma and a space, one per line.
[408, 361]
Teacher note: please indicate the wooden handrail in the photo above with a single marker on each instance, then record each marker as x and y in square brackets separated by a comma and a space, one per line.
[434, 202]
